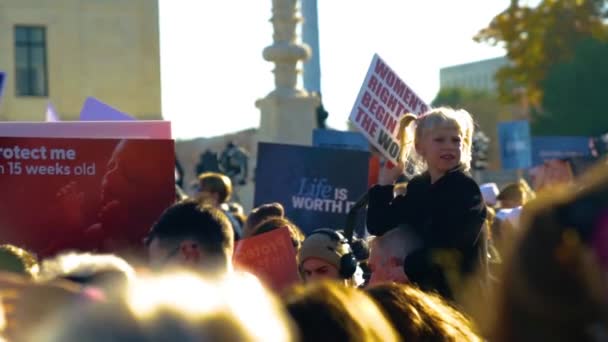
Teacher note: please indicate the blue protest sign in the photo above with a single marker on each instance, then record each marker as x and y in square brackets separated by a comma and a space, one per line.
[2, 83]
[339, 139]
[548, 148]
[515, 144]
[317, 186]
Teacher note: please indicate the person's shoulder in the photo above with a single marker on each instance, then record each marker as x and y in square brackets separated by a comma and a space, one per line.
[419, 180]
[463, 181]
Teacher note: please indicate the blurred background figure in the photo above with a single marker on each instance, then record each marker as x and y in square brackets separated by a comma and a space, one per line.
[215, 189]
[17, 260]
[106, 272]
[418, 316]
[326, 311]
[275, 222]
[388, 253]
[260, 214]
[234, 162]
[554, 286]
[179, 307]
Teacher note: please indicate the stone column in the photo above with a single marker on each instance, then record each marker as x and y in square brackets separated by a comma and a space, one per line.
[287, 112]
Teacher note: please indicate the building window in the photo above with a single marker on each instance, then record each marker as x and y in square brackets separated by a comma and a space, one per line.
[30, 61]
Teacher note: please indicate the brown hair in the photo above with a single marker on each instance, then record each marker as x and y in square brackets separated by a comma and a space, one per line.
[327, 311]
[552, 286]
[297, 237]
[216, 183]
[519, 192]
[261, 214]
[420, 316]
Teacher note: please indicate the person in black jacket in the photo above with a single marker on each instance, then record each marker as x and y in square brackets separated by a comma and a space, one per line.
[443, 205]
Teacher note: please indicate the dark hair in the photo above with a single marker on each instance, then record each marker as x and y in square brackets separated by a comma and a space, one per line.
[216, 183]
[261, 214]
[297, 237]
[189, 220]
[420, 316]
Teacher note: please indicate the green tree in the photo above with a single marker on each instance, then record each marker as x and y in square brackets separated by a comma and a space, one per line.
[574, 101]
[537, 38]
[456, 97]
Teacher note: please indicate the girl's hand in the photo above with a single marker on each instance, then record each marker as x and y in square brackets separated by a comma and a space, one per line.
[389, 172]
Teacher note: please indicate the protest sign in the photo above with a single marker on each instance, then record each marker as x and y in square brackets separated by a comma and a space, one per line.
[95, 110]
[317, 186]
[349, 141]
[91, 129]
[555, 147]
[86, 194]
[383, 99]
[515, 144]
[270, 256]
[339, 139]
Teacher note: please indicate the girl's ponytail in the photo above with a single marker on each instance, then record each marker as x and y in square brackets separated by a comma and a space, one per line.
[403, 135]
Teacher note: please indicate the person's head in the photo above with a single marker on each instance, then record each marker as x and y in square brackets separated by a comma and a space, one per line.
[515, 195]
[17, 260]
[442, 139]
[26, 303]
[235, 308]
[418, 316]
[327, 311]
[554, 282]
[326, 254]
[214, 188]
[261, 214]
[105, 271]
[191, 235]
[297, 237]
[387, 254]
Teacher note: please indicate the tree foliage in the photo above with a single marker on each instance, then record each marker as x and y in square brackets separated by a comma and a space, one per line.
[457, 97]
[537, 38]
[574, 101]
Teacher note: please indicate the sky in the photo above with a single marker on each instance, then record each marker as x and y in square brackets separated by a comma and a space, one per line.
[212, 70]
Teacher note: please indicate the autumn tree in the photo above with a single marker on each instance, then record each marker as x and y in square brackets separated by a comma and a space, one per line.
[537, 38]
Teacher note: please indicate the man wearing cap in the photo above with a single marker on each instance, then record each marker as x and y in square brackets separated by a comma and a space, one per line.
[326, 254]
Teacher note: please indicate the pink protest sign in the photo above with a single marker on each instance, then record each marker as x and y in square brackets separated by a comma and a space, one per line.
[88, 129]
[269, 256]
[383, 99]
[95, 110]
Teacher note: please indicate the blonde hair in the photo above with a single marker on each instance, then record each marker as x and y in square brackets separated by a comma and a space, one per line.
[87, 266]
[439, 117]
[183, 306]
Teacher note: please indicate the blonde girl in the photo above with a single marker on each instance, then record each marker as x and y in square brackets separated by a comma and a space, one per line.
[442, 205]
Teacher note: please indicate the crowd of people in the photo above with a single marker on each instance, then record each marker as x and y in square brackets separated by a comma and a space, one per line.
[444, 260]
